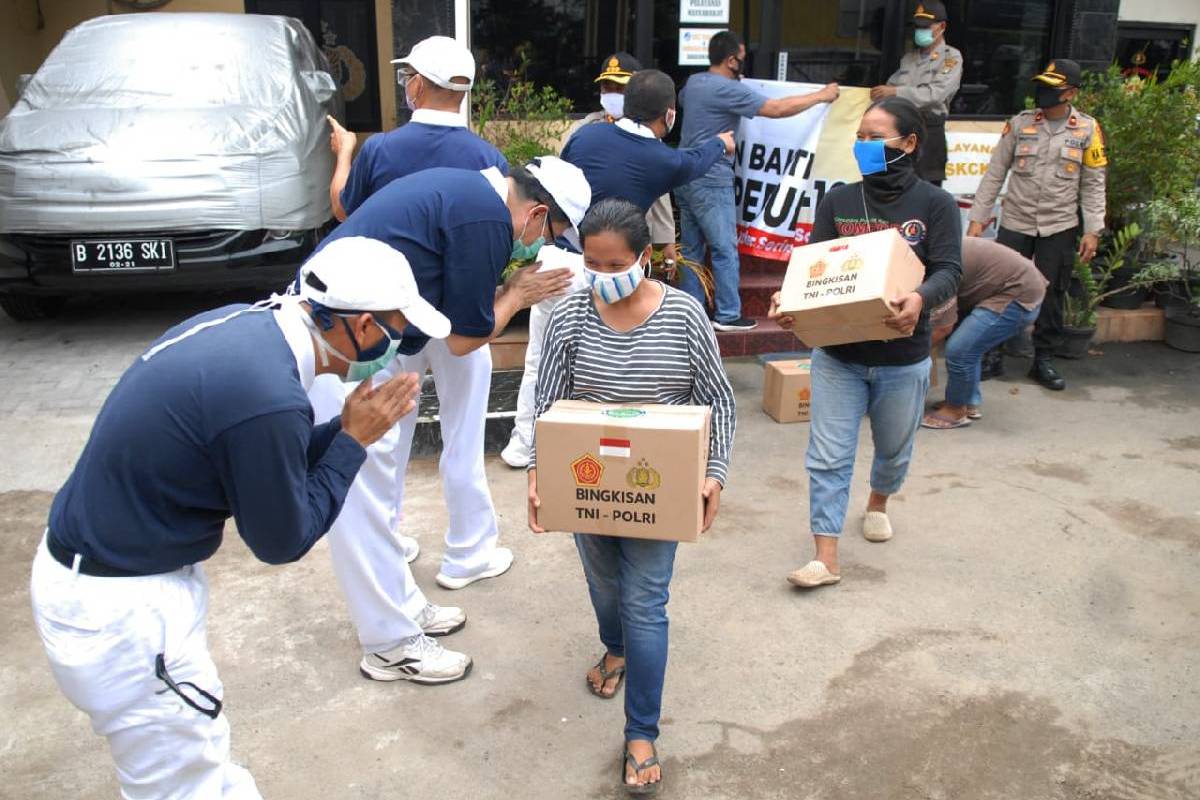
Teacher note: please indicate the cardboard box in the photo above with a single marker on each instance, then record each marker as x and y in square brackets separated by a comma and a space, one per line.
[840, 291]
[787, 390]
[634, 470]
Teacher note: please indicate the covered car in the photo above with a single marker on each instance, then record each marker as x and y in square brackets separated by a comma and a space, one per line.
[165, 151]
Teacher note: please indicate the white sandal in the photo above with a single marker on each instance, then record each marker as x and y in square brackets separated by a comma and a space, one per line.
[877, 527]
[813, 574]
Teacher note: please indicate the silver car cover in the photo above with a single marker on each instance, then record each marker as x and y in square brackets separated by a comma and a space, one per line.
[171, 122]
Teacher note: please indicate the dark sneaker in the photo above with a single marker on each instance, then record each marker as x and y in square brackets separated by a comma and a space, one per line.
[992, 366]
[1044, 373]
[740, 324]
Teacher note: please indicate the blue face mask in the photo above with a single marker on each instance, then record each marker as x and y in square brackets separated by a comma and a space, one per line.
[923, 37]
[366, 362]
[871, 155]
[612, 287]
[528, 252]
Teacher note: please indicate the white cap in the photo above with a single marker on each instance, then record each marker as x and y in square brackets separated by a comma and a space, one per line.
[567, 185]
[361, 274]
[441, 59]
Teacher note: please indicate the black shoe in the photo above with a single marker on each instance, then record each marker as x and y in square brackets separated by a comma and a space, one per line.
[740, 324]
[993, 365]
[1044, 373]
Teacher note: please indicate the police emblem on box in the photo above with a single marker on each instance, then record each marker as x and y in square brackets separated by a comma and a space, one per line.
[644, 477]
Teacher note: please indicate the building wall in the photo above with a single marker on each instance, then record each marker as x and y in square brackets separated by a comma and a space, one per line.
[1182, 12]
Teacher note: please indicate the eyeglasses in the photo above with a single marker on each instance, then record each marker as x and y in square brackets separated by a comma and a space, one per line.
[195, 697]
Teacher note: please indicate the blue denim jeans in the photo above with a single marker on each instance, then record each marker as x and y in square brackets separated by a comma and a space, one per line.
[708, 213]
[982, 330]
[629, 580]
[842, 394]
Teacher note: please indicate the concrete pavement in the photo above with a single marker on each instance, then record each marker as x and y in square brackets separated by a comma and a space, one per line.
[1032, 631]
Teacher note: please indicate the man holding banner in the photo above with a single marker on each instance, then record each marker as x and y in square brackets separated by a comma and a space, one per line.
[714, 102]
[928, 76]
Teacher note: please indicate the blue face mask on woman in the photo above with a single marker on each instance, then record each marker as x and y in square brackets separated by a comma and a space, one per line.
[873, 157]
[611, 287]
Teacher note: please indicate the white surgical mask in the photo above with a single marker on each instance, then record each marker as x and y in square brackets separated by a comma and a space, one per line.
[611, 287]
[613, 104]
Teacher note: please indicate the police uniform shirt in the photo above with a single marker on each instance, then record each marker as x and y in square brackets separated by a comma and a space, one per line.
[930, 81]
[626, 160]
[1053, 173]
[214, 425]
[457, 235]
[430, 139]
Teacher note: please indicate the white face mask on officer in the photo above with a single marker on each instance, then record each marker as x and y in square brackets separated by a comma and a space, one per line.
[613, 104]
[612, 287]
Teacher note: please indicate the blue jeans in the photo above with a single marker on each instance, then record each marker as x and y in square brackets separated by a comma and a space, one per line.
[982, 330]
[842, 393]
[629, 580]
[707, 213]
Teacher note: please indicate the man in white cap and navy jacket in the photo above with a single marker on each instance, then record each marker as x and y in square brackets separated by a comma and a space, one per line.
[458, 229]
[211, 422]
[436, 77]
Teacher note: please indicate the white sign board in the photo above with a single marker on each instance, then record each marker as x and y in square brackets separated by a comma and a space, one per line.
[712, 12]
[774, 188]
[693, 46]
[967, 161]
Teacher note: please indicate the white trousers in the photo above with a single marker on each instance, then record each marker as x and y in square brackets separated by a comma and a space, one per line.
[102, 636]
[463, 385]
[382, 595]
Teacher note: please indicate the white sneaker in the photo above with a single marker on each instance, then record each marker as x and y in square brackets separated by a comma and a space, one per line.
[502, 561]
[877, 527]
[515, 454]
[410, 546]
[418, 659]
[441, 620]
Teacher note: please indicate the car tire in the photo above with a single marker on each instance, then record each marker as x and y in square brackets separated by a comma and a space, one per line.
[28, 308]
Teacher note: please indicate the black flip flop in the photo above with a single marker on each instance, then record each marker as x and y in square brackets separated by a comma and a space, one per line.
[605, 676]
[630, 761]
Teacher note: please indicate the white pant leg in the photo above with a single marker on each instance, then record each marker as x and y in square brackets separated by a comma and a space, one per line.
[539, 317]
[101, 637]
[463, 385]
[382, 595]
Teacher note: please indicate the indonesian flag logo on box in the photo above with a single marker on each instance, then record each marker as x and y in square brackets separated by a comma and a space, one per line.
[615, 448]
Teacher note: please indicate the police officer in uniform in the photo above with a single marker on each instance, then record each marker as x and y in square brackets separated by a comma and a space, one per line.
[1055, 162]
[928, 76]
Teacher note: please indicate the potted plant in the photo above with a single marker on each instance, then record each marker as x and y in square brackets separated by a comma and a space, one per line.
[1149, 127]
[1095, 286]
[1174, 225]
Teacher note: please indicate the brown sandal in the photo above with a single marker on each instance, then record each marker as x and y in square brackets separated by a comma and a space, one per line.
[605, 677]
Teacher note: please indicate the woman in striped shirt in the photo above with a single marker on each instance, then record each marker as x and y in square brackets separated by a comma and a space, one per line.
[632, 340]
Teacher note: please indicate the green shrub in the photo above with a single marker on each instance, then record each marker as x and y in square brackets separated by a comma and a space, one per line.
[1150, 129]
[523, 121]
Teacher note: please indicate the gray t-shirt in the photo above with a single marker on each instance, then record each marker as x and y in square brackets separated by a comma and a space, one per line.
[714, 104]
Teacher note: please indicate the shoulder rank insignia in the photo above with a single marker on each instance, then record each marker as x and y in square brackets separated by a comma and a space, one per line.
[950, 63]
[1094, 156]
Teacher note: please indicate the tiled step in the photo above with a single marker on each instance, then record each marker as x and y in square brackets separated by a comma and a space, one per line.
[756, 291]
[768, 337]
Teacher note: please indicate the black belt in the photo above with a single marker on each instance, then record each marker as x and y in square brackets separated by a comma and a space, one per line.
[66, 557]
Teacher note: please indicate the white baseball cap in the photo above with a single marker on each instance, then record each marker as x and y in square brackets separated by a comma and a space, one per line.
[441, 60]
[567, 185]
[357, 274]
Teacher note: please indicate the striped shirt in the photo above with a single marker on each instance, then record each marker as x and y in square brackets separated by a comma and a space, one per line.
[670, 359]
